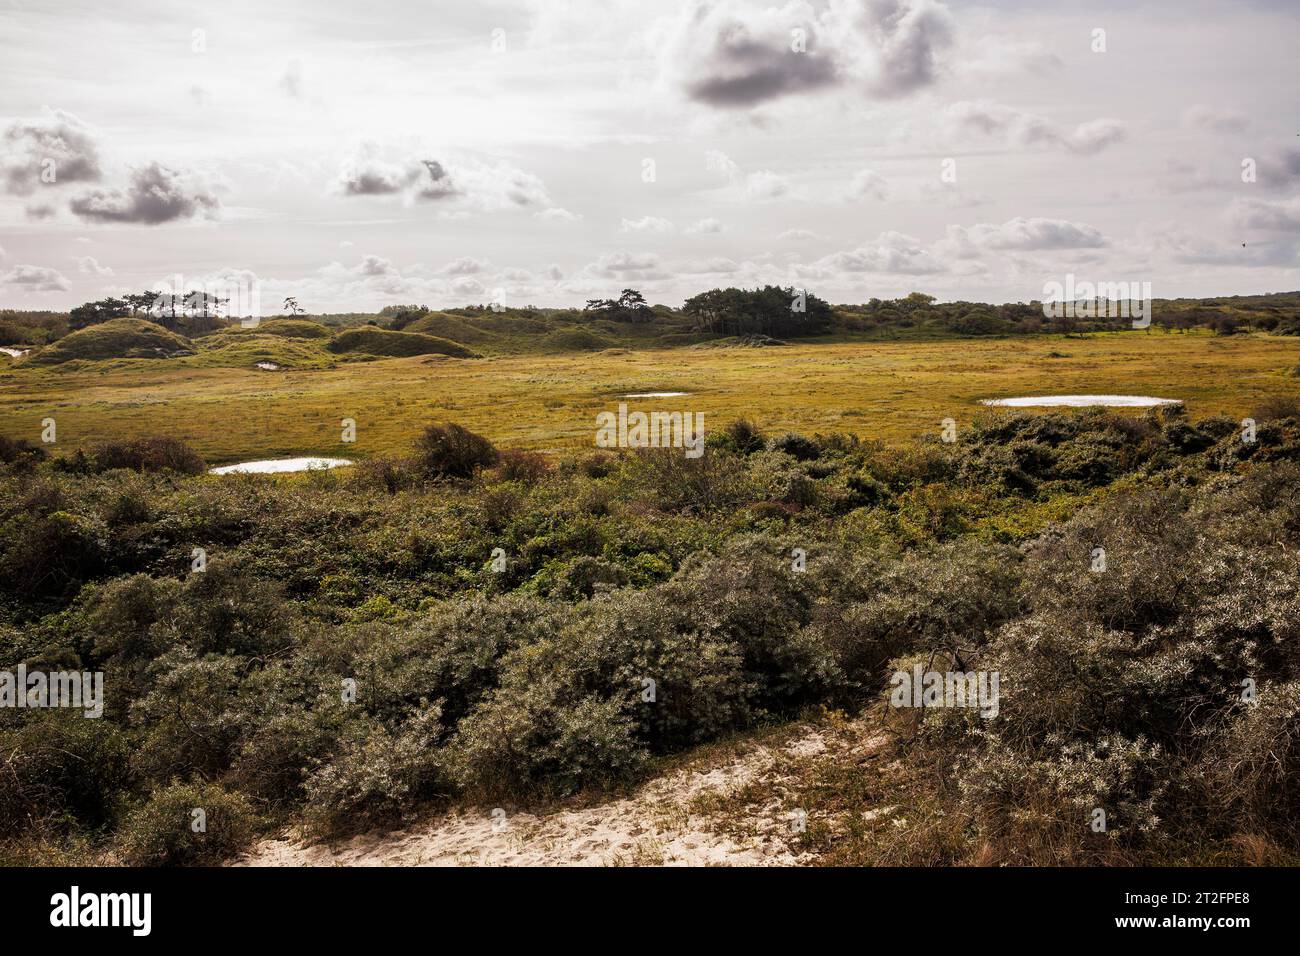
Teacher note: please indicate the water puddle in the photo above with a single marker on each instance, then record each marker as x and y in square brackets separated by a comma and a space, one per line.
[1080, 401]
[278, 465]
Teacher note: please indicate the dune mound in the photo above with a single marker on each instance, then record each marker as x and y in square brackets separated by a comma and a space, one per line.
[116, 338]
[295, 329]
[372, 341]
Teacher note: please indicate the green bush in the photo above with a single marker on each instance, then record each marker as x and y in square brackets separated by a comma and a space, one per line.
[377, 775]
[450, 451]
[61, 769]
[167, 832]
[158, 453]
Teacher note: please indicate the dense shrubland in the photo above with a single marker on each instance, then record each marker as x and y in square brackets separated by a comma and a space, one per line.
[356, 648]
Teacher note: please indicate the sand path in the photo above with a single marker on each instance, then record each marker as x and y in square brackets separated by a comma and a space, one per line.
[657, 825]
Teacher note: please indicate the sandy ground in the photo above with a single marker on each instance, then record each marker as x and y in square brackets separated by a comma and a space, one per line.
[655, 826]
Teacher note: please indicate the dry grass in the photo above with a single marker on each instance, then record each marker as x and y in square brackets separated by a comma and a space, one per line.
[889, 391]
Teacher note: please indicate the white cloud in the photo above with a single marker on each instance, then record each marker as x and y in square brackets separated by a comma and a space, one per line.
[35, 279]
[556, 214]
[467, 285]
[765, 184]
[732, 56]
[868, 184]
[646, 224]
[89, 265]
[715, 160]
[1033, 234]
[704, 226]
[1205, 117]
[989, 120]
[890, 253]
[719, 265]
[464, 266]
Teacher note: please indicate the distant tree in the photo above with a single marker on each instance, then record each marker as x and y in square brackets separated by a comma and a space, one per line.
[140, 303]
[92, 313]
[770, 310]
[630, 306]
[292, 307]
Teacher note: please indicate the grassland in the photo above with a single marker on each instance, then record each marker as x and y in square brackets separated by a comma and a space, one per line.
[229, 410]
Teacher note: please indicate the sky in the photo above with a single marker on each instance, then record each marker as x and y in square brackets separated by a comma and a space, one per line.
[358, 155]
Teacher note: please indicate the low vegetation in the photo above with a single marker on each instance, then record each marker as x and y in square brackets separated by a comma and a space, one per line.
[461, 622]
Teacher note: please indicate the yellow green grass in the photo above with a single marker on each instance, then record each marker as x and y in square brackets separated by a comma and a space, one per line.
[888, 390]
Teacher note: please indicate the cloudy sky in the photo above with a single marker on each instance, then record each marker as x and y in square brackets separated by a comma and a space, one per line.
[447, 152]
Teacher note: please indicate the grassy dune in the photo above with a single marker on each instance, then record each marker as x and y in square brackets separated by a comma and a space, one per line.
[886, 390]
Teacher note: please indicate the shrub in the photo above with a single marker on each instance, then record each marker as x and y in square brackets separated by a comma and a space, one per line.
[796, 446]
[167, 832]
[389, 475]
[158, 453]
[189, 715]
[1253, 769]
[19, 450]
[584, 576]
[744, 437]
[521, 739]
[1276, 408]
[377, 775]
[50, 554]
[672, 482]
[61, 769]
[526, 467]
[1040, 803]
[227, 610]
[450, 451]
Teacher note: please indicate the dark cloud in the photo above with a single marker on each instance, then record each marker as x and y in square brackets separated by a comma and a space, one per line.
[471, 185]
[733, 56]
[906, 37]
[426, 180]
[744, 70]
[435, 182]
[154, 195]
[370, 176]
[50, 151]
[1279, 168]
